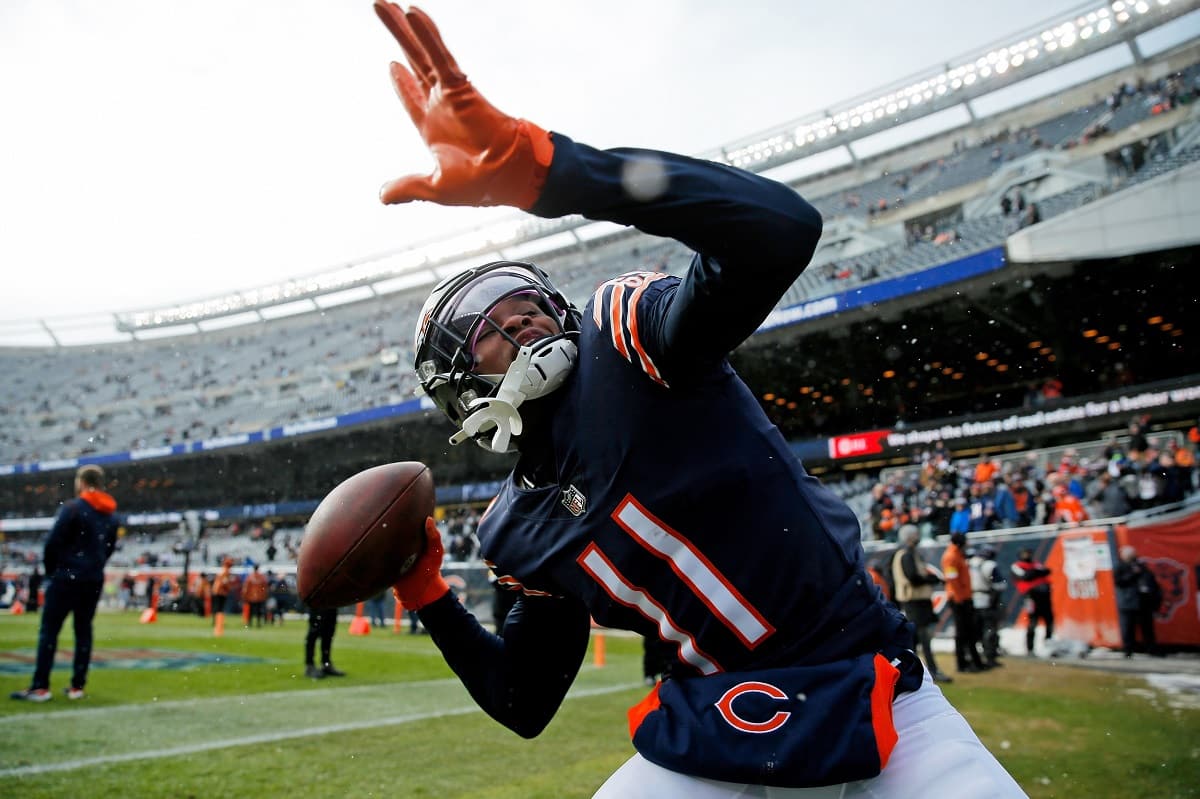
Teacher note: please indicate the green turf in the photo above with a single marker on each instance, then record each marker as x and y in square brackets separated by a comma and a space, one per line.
[400, 725]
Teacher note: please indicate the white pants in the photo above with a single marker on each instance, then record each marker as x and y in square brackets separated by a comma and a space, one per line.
[937, 754]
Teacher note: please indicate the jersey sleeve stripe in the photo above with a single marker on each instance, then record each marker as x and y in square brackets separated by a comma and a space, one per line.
[617, 320]
[598, 306]
[713, 589]
[647, 364]
[513, 584]
[621, 590]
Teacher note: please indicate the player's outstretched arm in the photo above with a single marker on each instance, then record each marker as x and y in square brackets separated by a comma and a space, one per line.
[519, 680]
[484, 156]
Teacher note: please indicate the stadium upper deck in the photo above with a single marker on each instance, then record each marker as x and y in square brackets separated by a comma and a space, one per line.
[918, 205]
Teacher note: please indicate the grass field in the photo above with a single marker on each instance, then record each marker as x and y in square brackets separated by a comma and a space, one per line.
[248, 723]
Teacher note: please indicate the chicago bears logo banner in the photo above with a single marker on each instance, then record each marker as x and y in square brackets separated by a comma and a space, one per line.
[1084, 596]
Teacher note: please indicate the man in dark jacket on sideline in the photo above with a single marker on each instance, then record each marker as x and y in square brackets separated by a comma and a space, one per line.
[1138, 597]
[80, 543]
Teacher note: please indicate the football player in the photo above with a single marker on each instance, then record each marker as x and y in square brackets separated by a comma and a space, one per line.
[651, 493]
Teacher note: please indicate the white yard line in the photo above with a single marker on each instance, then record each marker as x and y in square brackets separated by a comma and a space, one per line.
[142, 707]
[269, 737]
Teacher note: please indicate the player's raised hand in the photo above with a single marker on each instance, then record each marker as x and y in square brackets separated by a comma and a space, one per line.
[423, 582]
[484, 157]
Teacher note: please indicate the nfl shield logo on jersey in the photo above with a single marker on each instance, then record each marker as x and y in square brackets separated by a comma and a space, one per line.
[574, 500]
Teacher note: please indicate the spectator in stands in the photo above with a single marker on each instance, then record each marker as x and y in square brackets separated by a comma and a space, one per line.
[1137, 436]
[1052, 390]
[960, 520]
[1138, 598]
[1067, 507]
[1143, 466]
[866, 272]
[883, 513]
[982, 507]
[81, 541]
[1021, 502]
[939, 511]
[986, 468]
[1113, 499]
[1173, 482]
[957, 575]
[1033, 587]
[1185, 459]
[914, 580]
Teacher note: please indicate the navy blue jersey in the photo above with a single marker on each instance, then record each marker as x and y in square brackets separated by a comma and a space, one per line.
[679, 509]
[663, 500]
[82, 539]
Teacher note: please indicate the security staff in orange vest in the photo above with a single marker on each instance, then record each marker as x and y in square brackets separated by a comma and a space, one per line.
[958, 587]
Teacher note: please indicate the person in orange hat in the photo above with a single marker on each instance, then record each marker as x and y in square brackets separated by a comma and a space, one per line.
[1067, 507]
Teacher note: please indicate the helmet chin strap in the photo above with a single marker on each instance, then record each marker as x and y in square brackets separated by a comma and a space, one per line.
[537, 370]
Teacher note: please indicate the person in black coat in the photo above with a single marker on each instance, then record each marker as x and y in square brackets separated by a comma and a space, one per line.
[81, 541]
[1138, 597]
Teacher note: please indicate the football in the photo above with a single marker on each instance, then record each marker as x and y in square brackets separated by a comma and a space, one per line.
[364, 535]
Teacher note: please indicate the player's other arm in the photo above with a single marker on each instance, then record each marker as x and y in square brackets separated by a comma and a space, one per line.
[519, 679]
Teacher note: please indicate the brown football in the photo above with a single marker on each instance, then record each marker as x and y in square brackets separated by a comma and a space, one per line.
[367, 532]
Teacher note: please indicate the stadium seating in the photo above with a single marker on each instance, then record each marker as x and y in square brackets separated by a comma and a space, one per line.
[66, 402]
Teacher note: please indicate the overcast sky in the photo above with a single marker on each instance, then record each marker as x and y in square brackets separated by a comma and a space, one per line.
[154, 151]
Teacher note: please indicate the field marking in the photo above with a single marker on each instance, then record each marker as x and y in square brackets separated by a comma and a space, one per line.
[199, 701]
[272, 737]
[171, 704]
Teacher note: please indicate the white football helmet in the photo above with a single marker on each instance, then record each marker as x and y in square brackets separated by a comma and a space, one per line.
[484, 407]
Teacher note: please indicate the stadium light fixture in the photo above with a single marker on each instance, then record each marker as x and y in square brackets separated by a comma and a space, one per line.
[998, 63]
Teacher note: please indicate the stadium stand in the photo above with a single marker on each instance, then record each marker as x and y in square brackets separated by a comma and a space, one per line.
[921, 205]
[258, 376]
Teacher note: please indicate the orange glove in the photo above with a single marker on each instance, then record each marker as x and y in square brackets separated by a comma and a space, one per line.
[423, 583]
[484, 157]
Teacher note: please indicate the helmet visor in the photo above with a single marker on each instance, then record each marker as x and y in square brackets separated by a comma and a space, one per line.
[465, 312]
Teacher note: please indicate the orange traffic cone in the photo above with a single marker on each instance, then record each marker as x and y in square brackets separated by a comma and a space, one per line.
[597, 645]
[246, 613]
[18, 607]
[399, 614]
[150, 614]
[218, 624]
[359, 625]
